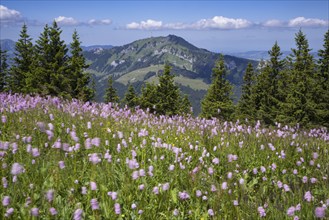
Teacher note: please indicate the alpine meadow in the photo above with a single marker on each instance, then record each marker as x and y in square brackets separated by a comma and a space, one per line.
[161, 129]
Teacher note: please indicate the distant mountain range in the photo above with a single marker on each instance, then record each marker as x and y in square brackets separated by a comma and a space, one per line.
[263, 55]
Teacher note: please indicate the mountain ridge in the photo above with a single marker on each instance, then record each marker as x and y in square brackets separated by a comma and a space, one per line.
[142, 60]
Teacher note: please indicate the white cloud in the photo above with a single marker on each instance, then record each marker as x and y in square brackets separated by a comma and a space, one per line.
[220, 22]
[67, 21]
[217, 22]
[99, 22]
[145, 25]
[273, 23]
[9, 15]
[307, 22]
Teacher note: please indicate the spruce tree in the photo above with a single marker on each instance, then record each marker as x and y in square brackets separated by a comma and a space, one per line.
[322, 84]
[41, 78]
[79, 80]
[149, 98]
[59, 71]
[21, 69]
[300, 104]
[246, 108]
[184, 105]
[131, 99]
[218, 102]
[270, 98]
[111, 93]
[168, 93]
[3, 70]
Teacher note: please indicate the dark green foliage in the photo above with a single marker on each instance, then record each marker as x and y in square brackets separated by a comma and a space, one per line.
[269, 98]
[131, 99]
[167, 94]
[3, 70]
[322, 84]
[185, 105]
[218, 102]
[59, 76]
[111, 93]
[300, 104]
[164, 98]
[41, 78]
[79, 80]
[246, 105]
[149, 97]
[21, 69]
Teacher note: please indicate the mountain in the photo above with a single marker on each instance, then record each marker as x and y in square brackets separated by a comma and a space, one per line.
[9, 46]
[263, 55]
[141, 61]
[96, 47]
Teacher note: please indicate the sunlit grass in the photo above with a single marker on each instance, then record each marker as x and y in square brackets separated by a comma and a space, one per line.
[96, 161]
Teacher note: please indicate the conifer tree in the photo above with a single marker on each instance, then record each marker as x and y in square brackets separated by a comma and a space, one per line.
[268, 80]
[41, 78]
[168, 93]
[246, 106]
[149, 97]
[300, 104]
[111, 93]
[21, 69]
[3, 70]
[322, 83]
[218, 102]
[131, 99]
[59, 72]
[185, 105]
[79, 79]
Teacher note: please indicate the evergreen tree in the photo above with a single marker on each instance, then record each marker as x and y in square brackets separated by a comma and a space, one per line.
[322, 83]
[111, 93]
[185, 105]
[218, 102]
[79, 80]
[300, 104]
[21, 69]
[3, 70]
[149, 97]
[246, 106]
[168, 93]
[59, 71]
[131, 99]
[42, 61]
[270, 98]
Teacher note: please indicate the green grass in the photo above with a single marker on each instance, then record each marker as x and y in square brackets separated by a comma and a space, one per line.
[138, 75]
[191, 145]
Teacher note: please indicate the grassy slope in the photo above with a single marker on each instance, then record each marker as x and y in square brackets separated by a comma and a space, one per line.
[39, 133]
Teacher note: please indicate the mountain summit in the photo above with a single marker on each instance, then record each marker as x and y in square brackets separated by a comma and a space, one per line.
[141, 60]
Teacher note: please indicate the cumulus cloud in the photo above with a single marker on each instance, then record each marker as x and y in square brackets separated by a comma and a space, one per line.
[8, 16]
[217, 22]
[296, 22]
[69, 21]
[99, 22]
[307, 22]
[145, 25]
[273, 23]
[220, 22]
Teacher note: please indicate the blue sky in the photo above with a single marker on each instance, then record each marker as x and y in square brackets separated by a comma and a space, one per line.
[221, 26]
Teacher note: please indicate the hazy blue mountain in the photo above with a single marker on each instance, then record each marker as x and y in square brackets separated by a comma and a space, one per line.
[263, 55]
[9, 46]
[96, 47]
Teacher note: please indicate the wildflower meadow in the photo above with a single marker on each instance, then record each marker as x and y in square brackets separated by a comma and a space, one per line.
[73, 160]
